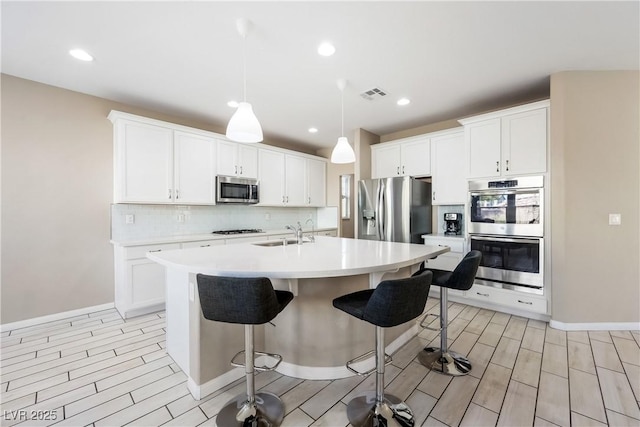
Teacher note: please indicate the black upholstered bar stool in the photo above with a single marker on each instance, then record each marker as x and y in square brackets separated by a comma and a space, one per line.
[461, 278]
[391, 303]
[248, 301]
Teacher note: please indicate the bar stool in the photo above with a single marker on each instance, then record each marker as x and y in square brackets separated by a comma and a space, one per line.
[461, 278]
[391, 303]
[247, 301]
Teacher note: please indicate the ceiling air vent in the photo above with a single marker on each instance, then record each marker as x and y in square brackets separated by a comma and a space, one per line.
[373, 94]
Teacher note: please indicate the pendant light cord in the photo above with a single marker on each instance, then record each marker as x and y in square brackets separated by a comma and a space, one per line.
[244, 68]
[342, 103]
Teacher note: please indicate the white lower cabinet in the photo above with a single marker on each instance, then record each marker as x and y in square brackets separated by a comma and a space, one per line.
[140, 282]
[520, 301]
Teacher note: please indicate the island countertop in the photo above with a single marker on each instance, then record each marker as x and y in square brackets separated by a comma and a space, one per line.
[326, 257]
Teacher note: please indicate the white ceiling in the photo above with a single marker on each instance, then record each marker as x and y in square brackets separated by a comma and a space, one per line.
[185, 58]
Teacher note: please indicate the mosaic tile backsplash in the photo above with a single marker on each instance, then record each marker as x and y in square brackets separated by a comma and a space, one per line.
[164, 220]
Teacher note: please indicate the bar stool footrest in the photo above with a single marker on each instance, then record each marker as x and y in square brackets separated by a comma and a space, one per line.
[262, 368]
[350, 363]
[423, 325]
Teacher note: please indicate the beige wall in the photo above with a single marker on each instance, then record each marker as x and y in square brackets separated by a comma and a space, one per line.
[595, 155]
[57, 180]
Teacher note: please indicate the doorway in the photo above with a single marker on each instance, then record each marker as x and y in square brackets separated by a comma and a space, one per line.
[347, 206]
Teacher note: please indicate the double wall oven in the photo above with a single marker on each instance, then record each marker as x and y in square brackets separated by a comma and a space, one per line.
[506, 224]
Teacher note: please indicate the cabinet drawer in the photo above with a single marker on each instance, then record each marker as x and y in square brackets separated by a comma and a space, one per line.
[456, 244]
[135, 252]
[506, 297]
[202, 244]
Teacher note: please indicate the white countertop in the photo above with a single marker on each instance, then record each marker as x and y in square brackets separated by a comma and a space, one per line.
[327, 257]
[443, 236]
[204, 236]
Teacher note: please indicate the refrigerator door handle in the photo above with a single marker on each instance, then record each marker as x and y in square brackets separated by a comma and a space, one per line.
[380, 212]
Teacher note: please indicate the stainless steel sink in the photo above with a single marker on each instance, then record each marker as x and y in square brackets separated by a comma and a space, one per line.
[279, 242]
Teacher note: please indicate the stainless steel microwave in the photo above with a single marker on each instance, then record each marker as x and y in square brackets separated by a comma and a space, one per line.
[231, 189]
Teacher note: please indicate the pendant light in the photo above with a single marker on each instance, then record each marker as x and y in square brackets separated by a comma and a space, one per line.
[342, 152]
[244, 125]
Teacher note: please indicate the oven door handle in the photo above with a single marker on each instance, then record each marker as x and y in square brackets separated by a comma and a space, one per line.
[506, 239]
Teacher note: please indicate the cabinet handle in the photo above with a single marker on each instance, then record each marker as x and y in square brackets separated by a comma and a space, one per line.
[169, 193]
[398, 170]
[309, 200]
[497, 166]
[403, 170]
[434, 195]
[282, 199]
[507, 165]
[177, 194]
[482, 295]
[156, 250]
[525, 302]
[240, 170]
[287, 199]
[204, 246]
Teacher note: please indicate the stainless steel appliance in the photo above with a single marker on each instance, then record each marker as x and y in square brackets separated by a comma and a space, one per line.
[512, 207]
[394, 209]
[510, 262]
[231, 189]
[506, 224]
[452, 223]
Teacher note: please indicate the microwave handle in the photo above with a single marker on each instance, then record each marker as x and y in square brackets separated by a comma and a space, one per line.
[505, 239]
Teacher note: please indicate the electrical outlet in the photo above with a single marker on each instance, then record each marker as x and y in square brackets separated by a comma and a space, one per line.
[129, 219]
[180, 217]
[615, 219]
[267, 216]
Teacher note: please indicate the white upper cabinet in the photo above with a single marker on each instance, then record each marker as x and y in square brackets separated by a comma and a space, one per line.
[235, 159]
[158, 164]
[291, 180]
[448, 173]
[405, 157]
[315, 182]
[508, 142]
[143, 163]
[194, 175]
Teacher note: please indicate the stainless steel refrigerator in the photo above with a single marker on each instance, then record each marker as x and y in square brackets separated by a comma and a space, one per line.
[394, 209]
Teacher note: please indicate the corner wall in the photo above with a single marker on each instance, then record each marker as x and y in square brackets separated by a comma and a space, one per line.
[595, 171]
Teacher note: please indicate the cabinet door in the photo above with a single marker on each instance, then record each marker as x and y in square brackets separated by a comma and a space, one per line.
[483, 148]
[386, 161]
[227, 158]
[247, 161]
[524, 143]
[147, 283]
[194, 175]
[415, 158]
[295, 188]
[448, 182]
[316, 183]
[145, 163]
[271, 175]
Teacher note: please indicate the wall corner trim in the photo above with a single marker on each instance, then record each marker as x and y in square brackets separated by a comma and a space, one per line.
[52, 317]
[599, 326]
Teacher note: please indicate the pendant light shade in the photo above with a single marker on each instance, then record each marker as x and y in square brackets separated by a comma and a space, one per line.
[244, 125]
[342, 152]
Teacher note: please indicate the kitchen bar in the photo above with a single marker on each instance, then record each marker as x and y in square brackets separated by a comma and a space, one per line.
[314, 339]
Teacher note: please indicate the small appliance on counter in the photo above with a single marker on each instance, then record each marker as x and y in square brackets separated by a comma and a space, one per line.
[452, 223]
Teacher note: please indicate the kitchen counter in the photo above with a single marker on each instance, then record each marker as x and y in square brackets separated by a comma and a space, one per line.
[314, 338]
[204, 236]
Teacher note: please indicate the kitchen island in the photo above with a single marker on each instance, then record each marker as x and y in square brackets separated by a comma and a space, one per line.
[314, 339]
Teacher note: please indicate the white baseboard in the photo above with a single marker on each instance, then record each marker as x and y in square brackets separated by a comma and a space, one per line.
[599, 326]
[52, 317]
[203, 390]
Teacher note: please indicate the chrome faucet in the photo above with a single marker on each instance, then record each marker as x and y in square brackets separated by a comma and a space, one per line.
[313, 230]
[297, 232]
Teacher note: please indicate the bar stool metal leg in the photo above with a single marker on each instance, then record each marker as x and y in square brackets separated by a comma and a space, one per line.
[441, 359]
[379, 409]
[252, 409]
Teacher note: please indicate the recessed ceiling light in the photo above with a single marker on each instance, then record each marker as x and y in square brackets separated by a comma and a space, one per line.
[81, 55]
[403, 101]
[233, 104]
[313, 130]
[326, 49]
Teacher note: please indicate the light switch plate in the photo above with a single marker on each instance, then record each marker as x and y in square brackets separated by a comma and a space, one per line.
[615, 219]
[129, 219]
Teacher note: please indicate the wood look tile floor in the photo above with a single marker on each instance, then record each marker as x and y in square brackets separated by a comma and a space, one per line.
[100, 370]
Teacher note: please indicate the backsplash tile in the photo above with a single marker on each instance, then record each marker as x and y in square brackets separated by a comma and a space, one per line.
[443, 209]
[162, 220]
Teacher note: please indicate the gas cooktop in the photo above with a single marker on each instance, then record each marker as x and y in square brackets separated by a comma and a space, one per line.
[242, 231]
